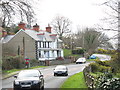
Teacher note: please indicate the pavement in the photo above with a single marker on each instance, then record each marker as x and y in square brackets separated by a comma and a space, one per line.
[5, 76]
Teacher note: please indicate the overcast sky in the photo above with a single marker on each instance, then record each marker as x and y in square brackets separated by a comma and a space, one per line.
[80, 12]
[85, 13]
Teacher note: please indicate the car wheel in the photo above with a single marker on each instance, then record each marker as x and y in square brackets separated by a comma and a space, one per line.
[55, 74]
[42, 88]
[15, 89]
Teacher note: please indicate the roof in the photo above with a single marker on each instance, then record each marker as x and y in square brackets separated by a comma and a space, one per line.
[38, 36]
[7, 38]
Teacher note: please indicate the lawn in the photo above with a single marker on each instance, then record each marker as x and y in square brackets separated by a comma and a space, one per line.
[68, 52]
[75, 81]
[14, 70]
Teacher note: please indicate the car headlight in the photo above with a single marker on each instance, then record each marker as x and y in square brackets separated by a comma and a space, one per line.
[35, 82]
[16, 83]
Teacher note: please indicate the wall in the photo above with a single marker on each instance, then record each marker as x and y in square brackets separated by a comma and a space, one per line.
[17, 42]
[59, 62]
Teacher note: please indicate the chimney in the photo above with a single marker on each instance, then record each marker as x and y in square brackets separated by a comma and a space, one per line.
[21, 25]
[4, 33]
[48, 29]
[36, 27]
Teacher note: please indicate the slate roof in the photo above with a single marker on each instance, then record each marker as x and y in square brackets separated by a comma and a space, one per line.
[7, 38]
[38, 36]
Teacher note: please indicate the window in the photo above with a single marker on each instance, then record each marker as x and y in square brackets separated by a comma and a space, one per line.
[39, 53]
[40, 44]
[43, 44]
[48, 45]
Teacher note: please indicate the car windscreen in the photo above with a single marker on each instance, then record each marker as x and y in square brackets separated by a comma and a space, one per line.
[60, 68]
[29, 74]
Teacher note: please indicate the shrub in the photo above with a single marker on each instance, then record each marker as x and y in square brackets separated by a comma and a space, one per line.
[94, 67]
[107, 82]
[105, 69]
[59, 58]
[12, 62]
[78, 51]
[34, 62]
[118, 75]
[104, 63]
[106, 51]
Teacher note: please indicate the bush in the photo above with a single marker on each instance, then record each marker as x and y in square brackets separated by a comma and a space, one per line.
[105, 69]
[78, 51]
[104, 63]
[34, 62]
[94, 67]
[106, 51]
[59, 58]
[107, 82]
[12, 62]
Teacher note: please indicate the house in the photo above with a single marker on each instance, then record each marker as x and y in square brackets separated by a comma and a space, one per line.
[33, 43]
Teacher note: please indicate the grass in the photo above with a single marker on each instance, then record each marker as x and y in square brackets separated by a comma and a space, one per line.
[91, 59]
[75, 81]
[68, 52]
[14, 70]
[96, 74]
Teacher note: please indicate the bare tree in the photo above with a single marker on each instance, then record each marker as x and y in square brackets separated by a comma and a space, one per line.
[90, 39]
[112, 15]
[61, 25]
[11, 9]
[114, 20]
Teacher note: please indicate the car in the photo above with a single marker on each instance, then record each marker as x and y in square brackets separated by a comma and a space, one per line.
[29, 79]
[92, 57]
[81, 60]
[61, 70]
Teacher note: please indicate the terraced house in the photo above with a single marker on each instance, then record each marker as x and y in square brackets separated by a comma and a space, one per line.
[33, 43]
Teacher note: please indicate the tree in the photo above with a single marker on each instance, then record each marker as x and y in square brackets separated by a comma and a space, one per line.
[61, 25]
[90, 39]
[11, 9]
[113, 18]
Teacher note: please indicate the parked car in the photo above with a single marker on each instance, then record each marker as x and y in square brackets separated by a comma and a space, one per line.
[61, 70]
[29, 79]
[81, 60]
[92, 57]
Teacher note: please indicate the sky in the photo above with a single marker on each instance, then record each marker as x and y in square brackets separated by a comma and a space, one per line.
[82, 13]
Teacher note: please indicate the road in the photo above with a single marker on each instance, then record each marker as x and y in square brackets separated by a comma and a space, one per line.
[51, 81]
[103, 57]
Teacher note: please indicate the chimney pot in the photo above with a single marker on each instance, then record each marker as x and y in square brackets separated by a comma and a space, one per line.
[4, 33]
[21, 25]
[48, 29]
[36, 27]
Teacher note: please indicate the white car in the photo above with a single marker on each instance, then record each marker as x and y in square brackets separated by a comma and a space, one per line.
[81, 60]
[61, 70]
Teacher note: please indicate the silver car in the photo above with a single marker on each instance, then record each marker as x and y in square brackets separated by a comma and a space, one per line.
[61, 70]
[81, 60]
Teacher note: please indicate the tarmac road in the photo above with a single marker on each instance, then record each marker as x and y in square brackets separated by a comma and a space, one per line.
[51, 81]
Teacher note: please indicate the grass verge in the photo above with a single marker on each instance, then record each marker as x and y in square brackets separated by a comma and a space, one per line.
[14, 70]
[75, 81]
